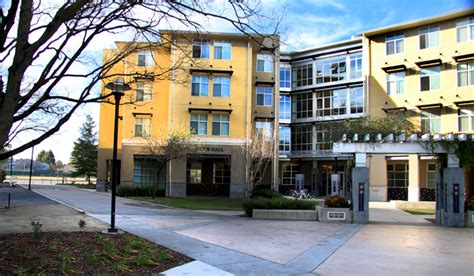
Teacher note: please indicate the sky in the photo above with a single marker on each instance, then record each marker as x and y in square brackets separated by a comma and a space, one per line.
[306, 23]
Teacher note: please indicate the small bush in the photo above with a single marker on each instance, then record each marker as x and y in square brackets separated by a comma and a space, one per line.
[337, 201]
[143, 190]
[280, 203]
[36, 230]
[469, 204]
[266, 193]
[82, 223]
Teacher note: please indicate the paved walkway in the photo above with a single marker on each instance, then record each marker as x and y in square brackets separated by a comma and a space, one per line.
[382, 212]
[245, 246]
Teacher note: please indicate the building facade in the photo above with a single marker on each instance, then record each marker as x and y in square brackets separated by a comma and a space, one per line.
[218, 86]
[423, 70]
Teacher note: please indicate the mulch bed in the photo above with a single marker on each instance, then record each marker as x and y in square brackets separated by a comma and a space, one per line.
[83, 253]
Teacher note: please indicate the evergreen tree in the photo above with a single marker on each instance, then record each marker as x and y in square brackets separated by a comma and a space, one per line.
[47, 157]
[84, 153]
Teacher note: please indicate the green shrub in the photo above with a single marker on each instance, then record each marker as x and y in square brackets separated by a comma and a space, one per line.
[143, 190]
[337, 201]
[266, 193]
[469, 206]
[280, 203]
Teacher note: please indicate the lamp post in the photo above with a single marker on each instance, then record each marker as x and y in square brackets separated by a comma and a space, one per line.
[118, 87]
[31, 167]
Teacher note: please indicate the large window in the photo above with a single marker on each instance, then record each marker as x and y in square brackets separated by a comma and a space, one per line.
[395, 83]
[220, 125]
[431, 121]
[397, 175]
[145, 58]
[194, 172]
[263, 129]
[466, 74]
[285, 139]
[324, 135]
[285, 107]
[302, 105]
[429, 78]
[356, 66]
[431, 175]
[264, 96]
[302, 138]
[465, 29]
[200, 86]
[331, 102]
[222, 49]
[221, 173]
[285, 73]
[264, 63]
[221, 87]
[429, 36]
[288, 172]
[145, 171]
[331, 69]
[466, 118]
[357, 100]
[394, 43]
[302, 75]
[199, 124]
[143, 92]
[201, 48]
[142, 127]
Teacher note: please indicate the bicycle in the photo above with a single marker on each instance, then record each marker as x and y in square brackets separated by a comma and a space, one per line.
[302, 194]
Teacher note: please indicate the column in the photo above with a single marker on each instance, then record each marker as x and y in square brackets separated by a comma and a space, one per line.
[360, 190]
[413, 178]
[453, 178]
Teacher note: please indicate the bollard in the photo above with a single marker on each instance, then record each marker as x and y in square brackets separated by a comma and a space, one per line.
[9, 196]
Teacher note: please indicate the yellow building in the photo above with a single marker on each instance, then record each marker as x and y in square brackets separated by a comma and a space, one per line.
[218, 85]
[423, 69]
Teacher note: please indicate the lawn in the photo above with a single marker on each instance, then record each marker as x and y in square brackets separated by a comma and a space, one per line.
[420, 211]
[88, 253]
[83, 186]
[222, 204]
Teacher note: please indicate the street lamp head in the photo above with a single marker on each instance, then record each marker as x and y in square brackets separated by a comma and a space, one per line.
[118, 86]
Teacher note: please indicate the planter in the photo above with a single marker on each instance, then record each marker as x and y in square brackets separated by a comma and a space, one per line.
[329, 214]
[285, 214]
[470, 219]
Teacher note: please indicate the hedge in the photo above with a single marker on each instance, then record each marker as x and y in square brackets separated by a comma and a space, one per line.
[143, 190]
[266, 193]
[281, 203]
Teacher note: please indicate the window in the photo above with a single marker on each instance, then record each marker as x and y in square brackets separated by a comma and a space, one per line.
[221, 87]
[324, 135]
[331, 69]
[465, 29]
[220, 125]
[285, 139]
[199, 124]
[397, 175]
[264, 96]
[466, 118]
[395, 83]
[431, 175]
[285, 107]
[194, 172]
[431, 121]
[331, 102]
[263, 130]
[288, 172]
[264, 63]
[356, 66]
[302, 75]
[145, 58]
[394, 43]
[429, 36]
[142, 127]
[222, 49]
[200, 86]
[302, 105]
[357, 100]
[302, 138]
[285, 72]
[145, 171]
[221, 173]
[429, 78]
[466, 74]
[143, 92]
[201, 48]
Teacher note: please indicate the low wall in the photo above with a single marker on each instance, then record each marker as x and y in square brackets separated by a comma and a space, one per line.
[285, 214]
[413, 204]
[327, 214]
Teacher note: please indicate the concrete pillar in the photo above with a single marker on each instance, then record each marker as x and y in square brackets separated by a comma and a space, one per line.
[360, 195]
[440, 204]
[454, 196]
[413, 178]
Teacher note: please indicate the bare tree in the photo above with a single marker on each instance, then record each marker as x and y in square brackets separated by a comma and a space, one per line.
[259, 153]
[47, 47]
[171, 145]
